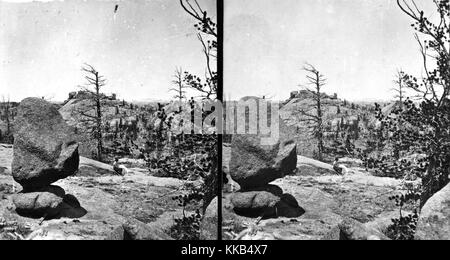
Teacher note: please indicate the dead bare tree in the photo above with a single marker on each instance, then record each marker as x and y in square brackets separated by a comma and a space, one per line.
[207, 35]
[400, 97]
[399, 88]
[313, 114]
[92, 113]
[180, 87]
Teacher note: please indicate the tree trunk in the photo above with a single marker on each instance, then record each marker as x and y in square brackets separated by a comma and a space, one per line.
[8, 123]
[320, 126]
[99, 122]
[434, 180]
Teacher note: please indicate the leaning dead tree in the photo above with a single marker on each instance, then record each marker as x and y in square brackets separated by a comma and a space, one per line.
[179, 86]
[92, 113]
[313, 114]
[207, 35]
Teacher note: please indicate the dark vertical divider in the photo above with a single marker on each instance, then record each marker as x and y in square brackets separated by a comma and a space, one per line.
[220, 20]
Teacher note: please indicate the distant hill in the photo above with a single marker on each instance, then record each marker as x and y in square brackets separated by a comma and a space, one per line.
[151, 102]
[115, 113]
[340, 117]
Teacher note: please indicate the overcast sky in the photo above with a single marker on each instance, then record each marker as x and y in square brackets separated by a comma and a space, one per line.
[44, 44]
[356, 44]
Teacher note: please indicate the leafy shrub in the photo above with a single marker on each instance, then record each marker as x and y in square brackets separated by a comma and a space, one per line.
[404, 227]
[186, 157]
[188, 226]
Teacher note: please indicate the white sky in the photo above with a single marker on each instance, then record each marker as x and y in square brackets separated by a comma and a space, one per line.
[357, 44]
[44, 44]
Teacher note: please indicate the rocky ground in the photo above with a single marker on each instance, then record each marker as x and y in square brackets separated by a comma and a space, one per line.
[107, 202]
[326, 198]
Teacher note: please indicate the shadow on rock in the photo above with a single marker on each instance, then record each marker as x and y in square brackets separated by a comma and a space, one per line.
[44, 202]
[288, 207]
[71, 208]
[266, 202]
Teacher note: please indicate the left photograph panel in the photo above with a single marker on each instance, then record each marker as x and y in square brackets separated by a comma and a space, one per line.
[99, 104]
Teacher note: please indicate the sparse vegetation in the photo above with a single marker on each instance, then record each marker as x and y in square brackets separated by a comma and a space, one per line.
[416, 131]
[404, 227]
[7, 114]
[204, 168]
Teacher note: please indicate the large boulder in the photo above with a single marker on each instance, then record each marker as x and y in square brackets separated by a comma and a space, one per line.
[310, 167]
[255, 165]
[93, 168]
[208, 225]
[434, 219]
[44, 150]
[45, 203]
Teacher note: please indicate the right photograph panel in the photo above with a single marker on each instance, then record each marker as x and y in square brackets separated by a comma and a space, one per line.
[337, 120]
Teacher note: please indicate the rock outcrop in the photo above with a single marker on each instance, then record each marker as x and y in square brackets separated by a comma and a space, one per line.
[44, 153]
[96, 203]
[327, 199]
[209, 223]
[253, 166]
[434, 219]
[350, 229]
[135, 230]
